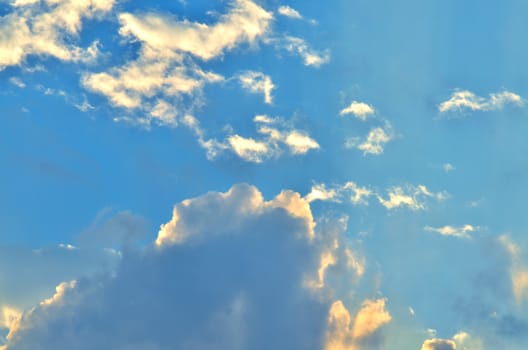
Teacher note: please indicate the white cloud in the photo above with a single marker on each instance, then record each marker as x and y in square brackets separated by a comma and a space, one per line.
[257, 83]
[360, 110]
[412, 197]
[289, 12]
[244, 23]
[374, 143]
[299, 46]
[275, 136]
[17, 82]
[448, 167]
[459, 232]
[196, 287]
[350, 191]
[461, 341]
[48, 28]
[466, 100]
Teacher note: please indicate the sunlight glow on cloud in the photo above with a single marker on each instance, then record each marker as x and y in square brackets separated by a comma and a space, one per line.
[347, 332]
[518, 269]
[462, 100]
[350, 191]
[198, 281]
[47, 29]
[299, 46]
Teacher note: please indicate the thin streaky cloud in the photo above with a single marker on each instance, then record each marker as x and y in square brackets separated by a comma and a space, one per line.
[453, 231]
[462, 100]
[287, 11]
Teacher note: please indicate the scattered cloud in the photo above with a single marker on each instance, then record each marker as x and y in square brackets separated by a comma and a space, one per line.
[374, 143]
[412, 197]
[48, 28]
[360, 110]
[17, 82]
[448, 167]
[462, 100]
[350, 191]
[459, 232]
[257, 83]
[275, 137]
[195, 288]
[287, 11]
[299, 46]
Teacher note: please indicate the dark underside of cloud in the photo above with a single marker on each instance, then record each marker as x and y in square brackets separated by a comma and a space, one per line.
[243, 289]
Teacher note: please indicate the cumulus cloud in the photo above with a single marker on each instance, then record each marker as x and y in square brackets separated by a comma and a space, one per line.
[207, 283]
[48, 28]
[347, 332]
[459, 232]
[257, 83]
[412, 197]
[462, 100]
[289, 12]
[374, 143]
[360, 110]
[439, 344]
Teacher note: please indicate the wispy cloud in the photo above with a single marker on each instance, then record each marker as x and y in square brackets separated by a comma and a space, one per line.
[412, 197]
[257, 83]
[299, 46]
[360, 110]
[350, 192]
[454, 231]
[462, 100]
[373, 143]
[289, 12]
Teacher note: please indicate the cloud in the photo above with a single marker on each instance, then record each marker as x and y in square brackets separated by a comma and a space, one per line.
[360, 110]
[299, 46]
[346, 332]
[448, 167]
[374, 143]
[462, 100]
[350, 191]
[461, 341]
[17, 82]
[244, 23]
[48, 28]
[165, 81]
[207, 283]
[289, 12]
[412, 197]
[518, 269]
[459, 232]
[439, 344]
[257, 82]
[275, 137]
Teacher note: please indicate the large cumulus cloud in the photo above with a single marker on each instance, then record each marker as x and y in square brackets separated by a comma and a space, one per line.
[228, 271]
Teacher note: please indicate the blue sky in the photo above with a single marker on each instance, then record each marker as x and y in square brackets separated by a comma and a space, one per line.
[263, 174]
